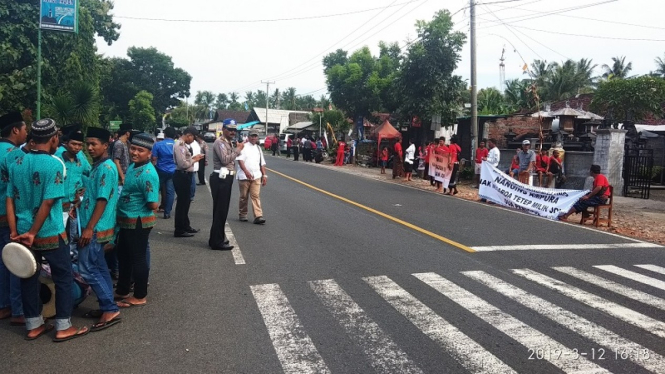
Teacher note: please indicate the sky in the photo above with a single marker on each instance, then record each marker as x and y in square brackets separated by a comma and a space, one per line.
[237, 56]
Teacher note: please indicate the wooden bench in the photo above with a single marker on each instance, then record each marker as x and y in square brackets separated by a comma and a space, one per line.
[595, 213]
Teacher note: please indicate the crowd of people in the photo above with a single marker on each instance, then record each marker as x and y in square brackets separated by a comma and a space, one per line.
[96, 217]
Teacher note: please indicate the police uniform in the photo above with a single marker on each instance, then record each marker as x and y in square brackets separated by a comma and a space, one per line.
[182, 181]
[221, 182]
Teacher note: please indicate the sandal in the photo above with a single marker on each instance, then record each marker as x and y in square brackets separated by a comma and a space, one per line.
[81, 331]
[96, 313]
[47, 328]
[127, 304]
[99, 326]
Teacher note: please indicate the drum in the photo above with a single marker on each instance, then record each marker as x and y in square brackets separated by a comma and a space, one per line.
[19, 260]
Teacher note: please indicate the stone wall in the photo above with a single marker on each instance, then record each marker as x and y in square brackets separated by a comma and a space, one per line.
[519, 125]
[609, 152]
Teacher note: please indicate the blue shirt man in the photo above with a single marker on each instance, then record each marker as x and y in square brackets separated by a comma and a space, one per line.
[162, 158]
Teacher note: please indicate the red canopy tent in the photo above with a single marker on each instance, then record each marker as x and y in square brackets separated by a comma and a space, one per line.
[385, 131]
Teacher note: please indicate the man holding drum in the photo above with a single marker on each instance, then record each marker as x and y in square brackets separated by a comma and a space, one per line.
[14, 133]
[98, 218]
[34, 196]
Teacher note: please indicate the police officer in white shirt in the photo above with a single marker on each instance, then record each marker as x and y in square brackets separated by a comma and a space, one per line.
[251, 176]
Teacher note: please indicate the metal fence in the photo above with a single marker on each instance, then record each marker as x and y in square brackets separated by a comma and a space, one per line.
[637, 172]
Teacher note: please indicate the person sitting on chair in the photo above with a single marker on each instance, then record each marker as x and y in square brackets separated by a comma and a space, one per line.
[597, 196]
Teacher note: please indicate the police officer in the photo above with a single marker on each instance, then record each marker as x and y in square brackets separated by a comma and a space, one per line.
[182, 181]
[224, 154]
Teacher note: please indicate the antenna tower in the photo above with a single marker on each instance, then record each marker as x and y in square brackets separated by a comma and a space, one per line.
[502, 70]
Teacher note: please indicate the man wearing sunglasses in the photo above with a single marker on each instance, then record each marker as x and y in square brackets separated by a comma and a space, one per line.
[224, 153]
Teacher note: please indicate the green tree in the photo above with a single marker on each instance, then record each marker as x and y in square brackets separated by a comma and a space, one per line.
[289, 99]
[181, 115]
[518, 95]
[660, 67]
[634, 98]
[307, 102]
[79, 104]
[67, 57]
[141, 111]
[205, 100]
[222, 101]
[234, 104]
[618, 70]
[335, 118]
[426, 82]
[491, 101]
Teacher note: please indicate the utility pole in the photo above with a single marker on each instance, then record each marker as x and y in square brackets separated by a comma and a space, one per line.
[267, 102]
[474, 88]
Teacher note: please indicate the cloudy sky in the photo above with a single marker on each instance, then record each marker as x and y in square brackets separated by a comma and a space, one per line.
[226, 47]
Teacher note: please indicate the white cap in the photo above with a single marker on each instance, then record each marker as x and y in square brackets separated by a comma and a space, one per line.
[160, 135]
[526, 142]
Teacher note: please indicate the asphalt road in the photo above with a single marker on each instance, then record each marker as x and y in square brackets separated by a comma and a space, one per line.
[352, 275]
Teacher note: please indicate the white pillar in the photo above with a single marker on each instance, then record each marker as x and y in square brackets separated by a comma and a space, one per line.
[609, 153]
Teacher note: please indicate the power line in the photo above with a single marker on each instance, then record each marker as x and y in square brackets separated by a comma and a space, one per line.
[259, 20]
[518, 38]
[586, 35]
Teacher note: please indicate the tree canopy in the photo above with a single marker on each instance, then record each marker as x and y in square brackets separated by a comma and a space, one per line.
[142, 114]
[630, 99]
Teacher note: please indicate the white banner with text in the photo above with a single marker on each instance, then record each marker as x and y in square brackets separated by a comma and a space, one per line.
[501, 189]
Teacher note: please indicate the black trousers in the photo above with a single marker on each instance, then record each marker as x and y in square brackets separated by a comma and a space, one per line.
[202, 171]
[296, 153]
[132, 249]
[182, 181]
[221, 197]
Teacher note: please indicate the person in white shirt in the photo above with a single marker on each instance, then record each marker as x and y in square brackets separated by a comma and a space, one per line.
[251, 176]
[409, 157]
[196, 150]
[494, 155]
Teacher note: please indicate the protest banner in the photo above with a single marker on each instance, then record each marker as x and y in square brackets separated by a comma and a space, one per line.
[501, 189]
[439, 167]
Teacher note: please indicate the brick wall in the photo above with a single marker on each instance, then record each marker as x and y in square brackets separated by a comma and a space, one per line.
[519, 125]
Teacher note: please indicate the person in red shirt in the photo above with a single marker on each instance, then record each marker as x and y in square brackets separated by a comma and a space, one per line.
[542, 162]
[515, 165]
[267, 144]
[398, 165]
[340, 153]
[481, 153]
[597, 196]
[455, 151]
[441, 149]
[555, 170]
[384, 159]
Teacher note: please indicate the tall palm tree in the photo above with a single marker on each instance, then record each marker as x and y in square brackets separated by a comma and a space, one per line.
[205, 100]
[222, 101]
[250, 99]
[563, 82]
[541, 70]
[491, 101]
[289, 98]
[660, 64]
[517, 94]
[585, 78]
[619, 68]
[233, 101]
[275, 99]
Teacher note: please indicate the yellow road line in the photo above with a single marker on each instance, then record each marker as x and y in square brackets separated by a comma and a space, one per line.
[384, 215]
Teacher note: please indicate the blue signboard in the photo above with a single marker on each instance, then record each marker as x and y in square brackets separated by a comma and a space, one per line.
[60, 15]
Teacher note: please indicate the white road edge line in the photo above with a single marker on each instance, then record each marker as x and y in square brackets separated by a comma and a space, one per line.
[468, 353]
[607, 284]
[618, 345]
[529, 337]
[653, 282]
[383, 353]
[295, 349]
[541, 247]
[627, 315]
[237, 255]
[654, 268]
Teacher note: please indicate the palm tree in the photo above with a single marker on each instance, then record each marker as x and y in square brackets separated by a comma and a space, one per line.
[585, 77]
[205, 100]
[660, 63]
[517, 94]
[233, 101]
[222, 101]
[275, 99]
[289, 99]
[619, 68]
[324, 102]
[78, 105]
[563, 82]
[541, 70]
[250, 100]
[490, 101]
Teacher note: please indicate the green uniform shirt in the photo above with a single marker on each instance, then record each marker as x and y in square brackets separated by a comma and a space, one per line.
[141, 187]
[78, 170]
[33, 178]
[101, 184]
[6, 148]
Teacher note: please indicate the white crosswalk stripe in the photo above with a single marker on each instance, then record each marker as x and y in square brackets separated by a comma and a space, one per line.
[294, 347]
[654, 268]
[384, 354]
[467, 352]
[632, 275]
[511, 326]
[617, 345]
[298, 353]
[625, 314]
[607, 284]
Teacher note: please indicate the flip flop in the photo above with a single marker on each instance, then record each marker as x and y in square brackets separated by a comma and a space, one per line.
[103, 325]
[15, 323]
[96, 313]
[128, 304]
[47, 329]
[77, 334]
